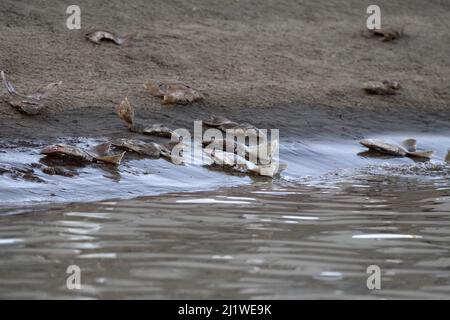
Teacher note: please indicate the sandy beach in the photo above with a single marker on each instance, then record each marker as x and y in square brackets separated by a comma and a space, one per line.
[264, 61]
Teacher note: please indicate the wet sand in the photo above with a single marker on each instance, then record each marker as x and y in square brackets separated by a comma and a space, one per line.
[281, 64]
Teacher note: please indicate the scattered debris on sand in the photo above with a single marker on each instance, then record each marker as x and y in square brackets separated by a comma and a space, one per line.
[384, 87]
[174, 93]
[30, 104]
[407, 148]
[384, 34]
[125, 111]
[97, 36]
[99, 153]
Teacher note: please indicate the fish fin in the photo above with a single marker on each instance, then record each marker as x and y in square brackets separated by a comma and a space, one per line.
[101, 149]
[421, 154]
[124, 40]
[8, 84]
[125, 111]
[269, 170]
[44, 91]
[114, 159]
[447, 158]
[409, 144]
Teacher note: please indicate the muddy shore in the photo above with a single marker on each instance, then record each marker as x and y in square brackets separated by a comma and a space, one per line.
[293, 65]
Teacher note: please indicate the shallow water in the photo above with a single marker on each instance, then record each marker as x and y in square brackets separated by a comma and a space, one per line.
[311, 233]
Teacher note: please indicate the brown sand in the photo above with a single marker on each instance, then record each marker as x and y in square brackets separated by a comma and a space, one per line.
[277, 63]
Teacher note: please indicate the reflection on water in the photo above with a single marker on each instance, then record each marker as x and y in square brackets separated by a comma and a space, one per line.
[310, 234]
[313, 239]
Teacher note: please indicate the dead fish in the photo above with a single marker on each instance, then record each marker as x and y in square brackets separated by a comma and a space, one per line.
[381, 87]
[95, 154]
[261, 153]
[408, 148]
[173, 93]
[384, 34]
[30, 104]
[151, 149]
[125, 111]
[96, 36]
[242, 165]
[219, 121]
[234, 128]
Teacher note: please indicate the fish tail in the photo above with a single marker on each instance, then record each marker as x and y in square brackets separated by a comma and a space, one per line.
[410, 145]
[8, 84]
[113, 159]
[101, 149]
[126, 38]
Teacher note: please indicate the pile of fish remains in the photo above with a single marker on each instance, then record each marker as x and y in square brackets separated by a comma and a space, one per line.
[224, 152]
[216, 150]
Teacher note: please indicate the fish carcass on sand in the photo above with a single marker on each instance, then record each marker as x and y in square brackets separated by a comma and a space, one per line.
[384, 87]
[125, 111]
[240, 164]
[173, 93]
[151, 149]
[96, 36]
[98, 153]
[384, 34]
[257, 153]
[30, 104]
[408, 148]
[234, 128]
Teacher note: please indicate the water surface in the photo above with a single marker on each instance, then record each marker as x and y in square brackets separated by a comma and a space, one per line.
[310, 233]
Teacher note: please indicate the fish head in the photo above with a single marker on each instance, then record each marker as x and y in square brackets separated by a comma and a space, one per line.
[56, 148]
